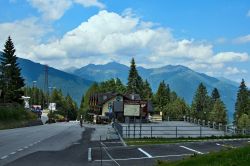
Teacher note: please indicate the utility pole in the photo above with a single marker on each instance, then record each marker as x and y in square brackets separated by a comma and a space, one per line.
[46, 83]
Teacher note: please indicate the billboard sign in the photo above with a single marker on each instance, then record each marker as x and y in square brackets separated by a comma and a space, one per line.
[52, 106]
[131, 110]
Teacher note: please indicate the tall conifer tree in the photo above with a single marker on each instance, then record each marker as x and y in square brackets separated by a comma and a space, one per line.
[242, 105]
[12, 81]
[201, 103]
[135, 82]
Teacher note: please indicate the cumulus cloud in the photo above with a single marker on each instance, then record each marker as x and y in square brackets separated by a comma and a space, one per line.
[230, 57]
[55, 9]
[110, 36]
[123, 36]
[242, 39]
[234, 71]
[89, 3]
[25, 33]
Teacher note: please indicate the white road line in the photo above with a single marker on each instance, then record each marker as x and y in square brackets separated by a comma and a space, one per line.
[20, 150]
[109, 154]
[25, 147]
[89, 155]
[140, 158]
[4, 157]
[191, 149]
[13, 153]
[144, 152]
[225, 145]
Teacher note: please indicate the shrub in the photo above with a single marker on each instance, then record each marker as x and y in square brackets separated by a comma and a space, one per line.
[15, 112]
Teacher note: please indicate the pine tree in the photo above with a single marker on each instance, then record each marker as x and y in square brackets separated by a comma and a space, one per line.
[218, 113]
[135, 82]
[215, 94]
[201, 103]
[147, 91]
[12, 82]
[162, 96]
[70, 108]
[120, 88]
[242, 105]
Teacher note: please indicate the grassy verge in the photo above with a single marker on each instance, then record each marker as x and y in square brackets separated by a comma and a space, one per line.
[146, 141]
[14, 115]
[233, 157]
[10, 124]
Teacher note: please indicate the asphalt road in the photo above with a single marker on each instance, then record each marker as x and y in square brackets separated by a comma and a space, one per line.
[16, 143]
[67, 144]
[147, 155]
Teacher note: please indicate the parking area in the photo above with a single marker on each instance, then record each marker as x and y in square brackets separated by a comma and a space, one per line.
[116, 154]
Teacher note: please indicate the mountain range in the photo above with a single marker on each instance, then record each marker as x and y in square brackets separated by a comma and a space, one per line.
[70, 84]
[181, 79]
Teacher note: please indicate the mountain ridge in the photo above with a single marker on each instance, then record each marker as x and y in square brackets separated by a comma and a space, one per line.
[183, 80]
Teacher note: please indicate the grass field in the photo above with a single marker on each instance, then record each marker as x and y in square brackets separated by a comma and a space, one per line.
[233, 157]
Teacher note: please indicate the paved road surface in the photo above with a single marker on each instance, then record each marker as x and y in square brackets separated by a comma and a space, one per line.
[15, 143]
[66, 144]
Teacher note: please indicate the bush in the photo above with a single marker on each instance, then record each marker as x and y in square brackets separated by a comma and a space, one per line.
[56, 117]
[15, 112]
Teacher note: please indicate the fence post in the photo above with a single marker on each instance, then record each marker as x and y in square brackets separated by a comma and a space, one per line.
[134, 128]
[176, 134]
[220, 125]
[140, 130]
[126, 131]
[151, 131]
[200, 131]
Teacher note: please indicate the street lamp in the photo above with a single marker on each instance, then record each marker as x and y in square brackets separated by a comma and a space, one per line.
[33, 92]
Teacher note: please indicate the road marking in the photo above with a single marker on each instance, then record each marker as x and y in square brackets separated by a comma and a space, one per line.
[4, 157]
[20, 150]
[227, 146]
[191, 149]
[109, 154]
[25, 147]
[140, 158]
[144, 152]
[13, 153]
[89, 155]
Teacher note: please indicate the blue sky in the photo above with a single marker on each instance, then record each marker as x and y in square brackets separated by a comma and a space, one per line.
[208, 36]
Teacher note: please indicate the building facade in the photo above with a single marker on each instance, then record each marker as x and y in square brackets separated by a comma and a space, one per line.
[107, 107]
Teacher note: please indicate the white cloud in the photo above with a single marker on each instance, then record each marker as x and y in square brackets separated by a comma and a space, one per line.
[230, 57]
[242, 39]
[55, 9]
[51, 9]
[89, 3]
[234, 71]
[109, 36]
[25, 34]
[124, 36]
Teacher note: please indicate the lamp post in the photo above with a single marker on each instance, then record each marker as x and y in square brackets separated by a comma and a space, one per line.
[33, 92]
